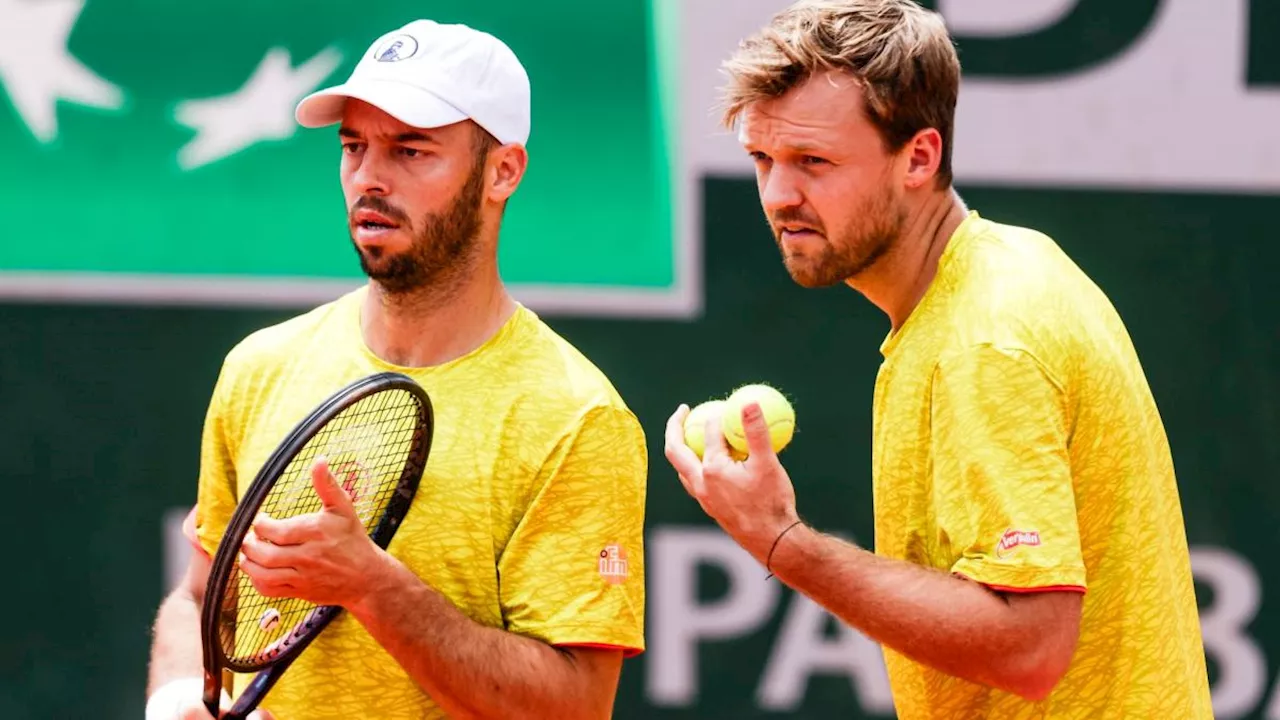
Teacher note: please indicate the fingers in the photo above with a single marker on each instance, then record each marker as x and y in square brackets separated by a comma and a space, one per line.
[717, 447]
[194, 711]
[261, 715]
[759, 444]
[265, 554]
[270, 582]
[328, 489]
[675, 426]
[685, 461]
[194, 708]
[291, 531]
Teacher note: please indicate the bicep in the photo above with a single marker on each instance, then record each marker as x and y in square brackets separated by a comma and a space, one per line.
[1055, 614]
[598, 671]
[196, 578]
[1051, 621]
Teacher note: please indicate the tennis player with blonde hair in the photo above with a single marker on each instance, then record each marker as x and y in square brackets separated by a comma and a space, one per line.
[1030, 559]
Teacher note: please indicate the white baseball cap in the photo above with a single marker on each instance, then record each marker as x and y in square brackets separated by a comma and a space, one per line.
[427, 74]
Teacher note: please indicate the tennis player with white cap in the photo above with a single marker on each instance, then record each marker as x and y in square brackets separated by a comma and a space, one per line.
[515, 586]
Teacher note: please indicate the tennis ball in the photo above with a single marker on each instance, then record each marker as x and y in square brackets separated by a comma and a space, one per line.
[695, 425]
[778, 415]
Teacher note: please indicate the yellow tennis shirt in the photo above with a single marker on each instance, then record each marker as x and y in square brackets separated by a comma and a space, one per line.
[1016, 443]
[529, 516]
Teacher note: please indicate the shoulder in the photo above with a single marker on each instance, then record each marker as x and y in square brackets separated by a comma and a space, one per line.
[265, 353]
[561, 368]
[1009, 265]
[287, 336]
[562, 382]
[1015, 287]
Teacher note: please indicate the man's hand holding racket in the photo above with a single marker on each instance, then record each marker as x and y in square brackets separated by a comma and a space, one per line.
[321, 557]
[180, 700]
[195, 710]
[325, 557]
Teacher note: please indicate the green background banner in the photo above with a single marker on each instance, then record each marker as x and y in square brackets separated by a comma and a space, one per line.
[190, 168]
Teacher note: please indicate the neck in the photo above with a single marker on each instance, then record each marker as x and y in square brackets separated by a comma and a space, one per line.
[899, 279]
[435, 325]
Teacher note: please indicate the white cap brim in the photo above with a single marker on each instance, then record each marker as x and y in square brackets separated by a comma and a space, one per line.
[409, 104]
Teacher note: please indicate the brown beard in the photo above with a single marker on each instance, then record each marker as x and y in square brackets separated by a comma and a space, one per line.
[441, 251]
[848, 252]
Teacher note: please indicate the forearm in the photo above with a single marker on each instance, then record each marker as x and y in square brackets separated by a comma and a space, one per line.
[951, 624]
[175, 648]
[470, 670]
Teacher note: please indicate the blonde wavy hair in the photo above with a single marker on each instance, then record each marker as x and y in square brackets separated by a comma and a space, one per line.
[898, 52]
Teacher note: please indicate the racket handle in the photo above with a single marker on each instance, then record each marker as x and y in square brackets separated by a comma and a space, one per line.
[213, 693]
[253, 694]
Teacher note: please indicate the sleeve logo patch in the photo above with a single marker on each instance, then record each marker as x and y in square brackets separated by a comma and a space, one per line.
[612, 564]
[1014, 538]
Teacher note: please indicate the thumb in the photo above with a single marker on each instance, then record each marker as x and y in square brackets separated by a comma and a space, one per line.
[261, 715]
[759, 444]
[328, 490]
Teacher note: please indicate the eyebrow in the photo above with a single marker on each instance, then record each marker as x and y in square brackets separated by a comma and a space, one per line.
[801, 147]
[794, 149]
[807, 148]
[411, 136]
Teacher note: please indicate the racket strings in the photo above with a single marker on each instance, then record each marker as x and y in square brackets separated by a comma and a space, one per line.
[367, 446]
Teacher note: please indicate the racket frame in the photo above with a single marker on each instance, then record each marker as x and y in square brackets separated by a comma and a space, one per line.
[224, 561]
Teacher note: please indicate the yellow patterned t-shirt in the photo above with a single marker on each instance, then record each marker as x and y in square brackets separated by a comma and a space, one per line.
[1016, 443]
[529, 516]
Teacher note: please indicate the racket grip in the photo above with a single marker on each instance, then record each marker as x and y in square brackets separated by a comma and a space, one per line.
[254, 692]
[213, 693]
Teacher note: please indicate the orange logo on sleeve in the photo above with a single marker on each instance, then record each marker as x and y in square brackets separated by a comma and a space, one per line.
[1014, 538]
[612, 564]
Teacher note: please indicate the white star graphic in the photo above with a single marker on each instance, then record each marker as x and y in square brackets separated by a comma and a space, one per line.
[262, 109]
[36, 68]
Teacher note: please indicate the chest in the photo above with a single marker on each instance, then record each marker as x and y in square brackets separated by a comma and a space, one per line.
[481, 475]
[902, 464]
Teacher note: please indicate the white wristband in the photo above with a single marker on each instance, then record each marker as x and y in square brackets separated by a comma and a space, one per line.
[167, 702]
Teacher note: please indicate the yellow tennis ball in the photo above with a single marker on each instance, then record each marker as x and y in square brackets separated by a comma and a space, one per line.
[778, 415]
[695, 425]
[695, 428]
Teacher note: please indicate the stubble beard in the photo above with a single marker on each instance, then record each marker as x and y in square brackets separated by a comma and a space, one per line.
[850, 250]
[442, 251]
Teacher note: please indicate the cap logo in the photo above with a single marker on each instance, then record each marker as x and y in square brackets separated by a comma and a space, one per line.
[396, 48]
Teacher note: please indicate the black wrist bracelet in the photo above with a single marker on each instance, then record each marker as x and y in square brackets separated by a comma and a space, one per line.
[775, 547]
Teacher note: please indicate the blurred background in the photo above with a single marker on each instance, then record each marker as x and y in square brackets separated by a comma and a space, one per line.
[159, 204]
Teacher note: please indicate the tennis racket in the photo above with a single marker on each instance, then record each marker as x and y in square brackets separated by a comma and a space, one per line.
[376, 435]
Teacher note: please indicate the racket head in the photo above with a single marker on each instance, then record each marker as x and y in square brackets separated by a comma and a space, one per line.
[353, 428]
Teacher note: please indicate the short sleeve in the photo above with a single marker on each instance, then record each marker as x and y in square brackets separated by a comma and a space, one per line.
[216, 495]
[1003, 490]
[573, 572]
